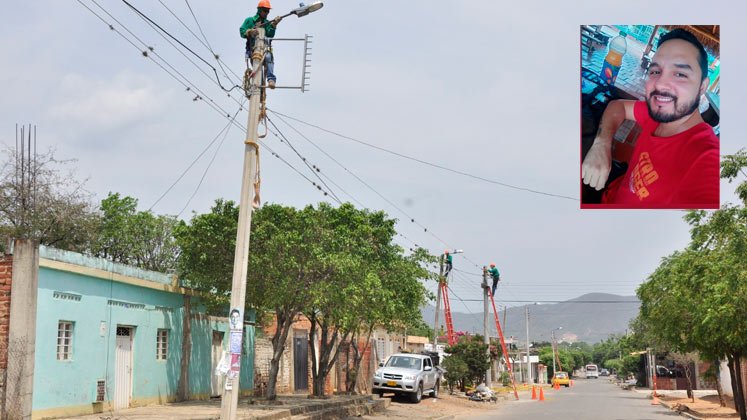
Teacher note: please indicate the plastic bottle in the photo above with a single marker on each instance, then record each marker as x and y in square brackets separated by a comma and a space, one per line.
[613, 61]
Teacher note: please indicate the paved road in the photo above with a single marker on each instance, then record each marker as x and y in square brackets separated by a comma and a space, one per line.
[593, 399]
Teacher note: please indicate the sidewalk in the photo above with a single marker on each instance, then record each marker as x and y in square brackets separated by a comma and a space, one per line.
[286, 407]
[706, 405]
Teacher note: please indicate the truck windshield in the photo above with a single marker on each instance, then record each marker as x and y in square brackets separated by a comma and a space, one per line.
[404, 362]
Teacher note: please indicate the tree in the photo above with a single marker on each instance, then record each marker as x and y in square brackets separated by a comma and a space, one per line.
[361, 279]
[40, 198]
[138, 238]
[473, 352]
[207, 247]
[696, 299]
[456, 372]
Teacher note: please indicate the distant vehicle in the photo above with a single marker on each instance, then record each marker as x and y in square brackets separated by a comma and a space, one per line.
[592, 371]
[561, 378]
[604, 372]
[407, 374]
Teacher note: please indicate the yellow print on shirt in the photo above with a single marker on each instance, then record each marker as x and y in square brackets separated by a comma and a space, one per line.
[643, 175]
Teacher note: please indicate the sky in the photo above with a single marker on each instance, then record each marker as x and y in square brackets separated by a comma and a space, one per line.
[482, 87]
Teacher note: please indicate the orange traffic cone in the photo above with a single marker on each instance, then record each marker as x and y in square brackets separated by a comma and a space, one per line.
[542, 394]
[655, 400]
[571, 382]
[534, 393]
[556, 385]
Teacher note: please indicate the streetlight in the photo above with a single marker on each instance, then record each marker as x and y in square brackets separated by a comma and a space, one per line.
[304, 10]
[552, 344]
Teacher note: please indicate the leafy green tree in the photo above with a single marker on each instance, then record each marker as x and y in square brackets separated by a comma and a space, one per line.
[456, 372]
[207, 246]
[360, 279]
[696, 300]
[473, 352]
[138, 238]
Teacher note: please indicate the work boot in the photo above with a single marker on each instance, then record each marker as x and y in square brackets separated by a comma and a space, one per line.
[271, 84]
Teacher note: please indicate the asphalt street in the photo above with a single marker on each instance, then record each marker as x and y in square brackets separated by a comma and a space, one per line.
[588, 399]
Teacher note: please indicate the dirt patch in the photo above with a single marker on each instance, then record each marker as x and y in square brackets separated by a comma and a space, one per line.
[707, 407]
[433, 408]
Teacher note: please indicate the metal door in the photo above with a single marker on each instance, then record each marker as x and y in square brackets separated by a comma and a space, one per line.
[123, 368]
[301, 363]
[217, 352]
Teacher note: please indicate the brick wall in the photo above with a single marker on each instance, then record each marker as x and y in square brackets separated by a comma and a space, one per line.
[6, 274]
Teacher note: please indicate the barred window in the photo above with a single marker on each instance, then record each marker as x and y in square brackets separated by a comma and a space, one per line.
[162, 344]
[64, 340]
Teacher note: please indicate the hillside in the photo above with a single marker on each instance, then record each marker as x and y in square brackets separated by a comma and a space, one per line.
[581, 318]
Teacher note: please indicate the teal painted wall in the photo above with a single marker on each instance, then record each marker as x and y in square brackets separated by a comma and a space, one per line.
[86, 303]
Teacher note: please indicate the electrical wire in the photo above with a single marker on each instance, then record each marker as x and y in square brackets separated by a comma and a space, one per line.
[189, 85]
[230, 122]
[435, 165]
[204, 173]
[315, 170]
[143, 15]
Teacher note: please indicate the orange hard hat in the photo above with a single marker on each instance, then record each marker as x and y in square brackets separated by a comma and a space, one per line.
[492, 264]
[264, 3]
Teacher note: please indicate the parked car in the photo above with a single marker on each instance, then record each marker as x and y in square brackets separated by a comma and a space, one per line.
[604, 372]
[561, 378]
[407, 374]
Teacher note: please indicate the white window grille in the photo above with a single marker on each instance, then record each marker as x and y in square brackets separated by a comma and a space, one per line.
[64, 340]
[162, 344]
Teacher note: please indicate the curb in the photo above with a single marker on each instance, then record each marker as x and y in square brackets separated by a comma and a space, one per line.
[681, 413]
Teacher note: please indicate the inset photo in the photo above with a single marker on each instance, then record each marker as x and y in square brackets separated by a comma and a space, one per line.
[650, 116]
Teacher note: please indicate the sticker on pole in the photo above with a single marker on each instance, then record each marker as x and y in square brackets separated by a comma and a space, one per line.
[235, 319]
[234, 343]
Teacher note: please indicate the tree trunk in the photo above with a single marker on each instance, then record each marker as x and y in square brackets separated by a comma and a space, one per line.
[283, 324]
[328, 351]
[739, 393]
[688, 376]
[183, 389]
[736, 384]
[358, 357]
[719, 388]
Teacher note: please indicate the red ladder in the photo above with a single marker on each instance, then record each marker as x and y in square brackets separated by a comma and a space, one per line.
[450, 335]
[503, 346]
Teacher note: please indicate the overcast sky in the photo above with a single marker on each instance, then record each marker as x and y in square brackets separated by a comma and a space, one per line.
[481, 87]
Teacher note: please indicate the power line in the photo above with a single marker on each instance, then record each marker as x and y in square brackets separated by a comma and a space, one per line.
[315, 170]
[204, 173]
[143, 15]
[491, 181]
[188, 84]
[194, 161]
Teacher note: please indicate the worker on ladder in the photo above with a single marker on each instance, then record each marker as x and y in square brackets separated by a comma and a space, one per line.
[449, 261]
[495, 275]
[249, 31]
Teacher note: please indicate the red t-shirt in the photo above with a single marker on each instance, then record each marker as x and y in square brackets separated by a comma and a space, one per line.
[681, 171]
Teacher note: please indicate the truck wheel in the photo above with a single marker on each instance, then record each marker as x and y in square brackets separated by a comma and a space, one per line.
[418, 394]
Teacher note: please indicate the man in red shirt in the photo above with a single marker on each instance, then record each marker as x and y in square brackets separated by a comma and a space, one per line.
[675, 162]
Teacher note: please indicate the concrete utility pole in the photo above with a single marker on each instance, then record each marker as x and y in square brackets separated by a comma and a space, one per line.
[552, 344]
[230, 399]
[529, 364]
[438, 304]
[485, 319]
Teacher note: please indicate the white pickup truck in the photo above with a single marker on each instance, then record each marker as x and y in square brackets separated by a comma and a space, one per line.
[407, 374]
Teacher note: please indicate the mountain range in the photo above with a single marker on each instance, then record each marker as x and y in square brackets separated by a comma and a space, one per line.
[592, 317]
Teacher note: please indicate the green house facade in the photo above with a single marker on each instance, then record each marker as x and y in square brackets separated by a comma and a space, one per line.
[110, 336]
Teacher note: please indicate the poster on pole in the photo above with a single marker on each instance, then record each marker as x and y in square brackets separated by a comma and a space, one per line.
[235, 342]
[235, 319]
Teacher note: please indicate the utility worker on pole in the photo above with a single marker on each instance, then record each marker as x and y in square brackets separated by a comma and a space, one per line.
[248, 30]
[495, 275]
[448, 259]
